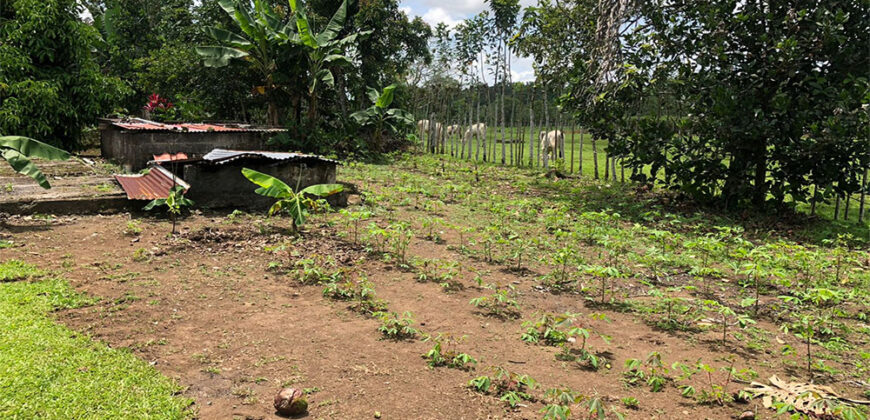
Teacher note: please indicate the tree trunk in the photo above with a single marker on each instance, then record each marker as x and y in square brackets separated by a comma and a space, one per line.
[760, 192]
[595, 156]
[863, 195]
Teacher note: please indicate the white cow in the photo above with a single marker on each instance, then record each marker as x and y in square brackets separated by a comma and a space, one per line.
[475, 130]
[552, 143]
[453, 129]
[423, 125]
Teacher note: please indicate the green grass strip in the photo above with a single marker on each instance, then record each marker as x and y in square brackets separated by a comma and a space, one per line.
[48, 371]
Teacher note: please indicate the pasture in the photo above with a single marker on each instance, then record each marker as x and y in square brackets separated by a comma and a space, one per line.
[446, 290]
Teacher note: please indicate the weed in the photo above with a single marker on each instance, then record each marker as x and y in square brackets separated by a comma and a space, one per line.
[133, 228]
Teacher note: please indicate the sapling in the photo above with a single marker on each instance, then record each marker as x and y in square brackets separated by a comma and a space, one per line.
[725, 317]
[174, 202]
[807, 326]
[295, 202]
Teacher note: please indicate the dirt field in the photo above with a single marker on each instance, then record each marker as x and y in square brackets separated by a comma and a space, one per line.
[219, 309]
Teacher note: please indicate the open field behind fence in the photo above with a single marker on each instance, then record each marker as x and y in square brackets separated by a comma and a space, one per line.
[586, 157]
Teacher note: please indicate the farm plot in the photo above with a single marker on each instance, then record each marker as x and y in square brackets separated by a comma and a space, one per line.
[458, 291]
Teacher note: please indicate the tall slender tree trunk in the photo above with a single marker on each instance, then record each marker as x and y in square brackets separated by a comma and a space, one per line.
[760, 192]
[863, 195]
[813, 200]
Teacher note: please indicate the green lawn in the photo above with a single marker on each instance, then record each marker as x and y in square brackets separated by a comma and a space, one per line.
[48, 371]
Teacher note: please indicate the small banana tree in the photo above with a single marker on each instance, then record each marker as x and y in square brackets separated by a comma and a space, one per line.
[295, 203]
[17, 151]
[380, 114]
[173, 202]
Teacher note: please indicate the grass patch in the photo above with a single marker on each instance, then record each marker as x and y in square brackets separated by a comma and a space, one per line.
[13, 270]
[48, 371]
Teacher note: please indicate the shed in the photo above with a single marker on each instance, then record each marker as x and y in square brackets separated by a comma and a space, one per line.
[216, 178]
[132, 142]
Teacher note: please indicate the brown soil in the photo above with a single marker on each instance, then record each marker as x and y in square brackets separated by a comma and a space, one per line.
[204, 309]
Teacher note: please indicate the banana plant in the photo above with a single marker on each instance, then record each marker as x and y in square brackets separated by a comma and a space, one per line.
[173, 202]
[265, 41]
[295, 203]
[17, 151]
[379, 114]
[323, 49]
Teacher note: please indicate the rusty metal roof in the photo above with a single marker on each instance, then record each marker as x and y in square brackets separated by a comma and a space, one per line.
[140, 124]
[151, 186]
[221, 156]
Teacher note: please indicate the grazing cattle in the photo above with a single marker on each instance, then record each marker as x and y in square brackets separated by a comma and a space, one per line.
[423, 126]
[552, 143]
[453, 129]
[475, 130]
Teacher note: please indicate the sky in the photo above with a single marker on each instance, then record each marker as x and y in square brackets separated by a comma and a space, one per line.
[452, 12]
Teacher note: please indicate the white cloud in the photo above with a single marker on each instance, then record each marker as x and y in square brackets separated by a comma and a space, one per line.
[437, 15]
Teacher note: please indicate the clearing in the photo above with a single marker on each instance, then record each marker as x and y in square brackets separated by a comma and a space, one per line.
[493, 258]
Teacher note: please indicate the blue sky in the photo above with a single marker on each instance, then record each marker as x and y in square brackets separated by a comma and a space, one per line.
[454, 11]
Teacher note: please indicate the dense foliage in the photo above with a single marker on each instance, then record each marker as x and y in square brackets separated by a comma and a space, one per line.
[50, 86]
[736, 101]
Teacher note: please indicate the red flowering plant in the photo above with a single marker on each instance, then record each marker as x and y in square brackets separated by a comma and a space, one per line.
[159, 108]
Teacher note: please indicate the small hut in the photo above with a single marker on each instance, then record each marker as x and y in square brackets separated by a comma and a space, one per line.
[132, 142]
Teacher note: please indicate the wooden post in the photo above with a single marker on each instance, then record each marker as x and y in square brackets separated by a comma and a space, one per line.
[580, 162]
[532, 130]
[595, 156]
[573, 129]
[837, 208]
[813, 201]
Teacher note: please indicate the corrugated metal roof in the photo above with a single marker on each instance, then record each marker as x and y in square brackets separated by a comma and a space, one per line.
[140, 124]
[220, 156]
[153, 185]
[166, 157]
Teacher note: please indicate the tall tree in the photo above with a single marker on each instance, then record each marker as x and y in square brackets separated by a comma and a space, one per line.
[50, 85]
